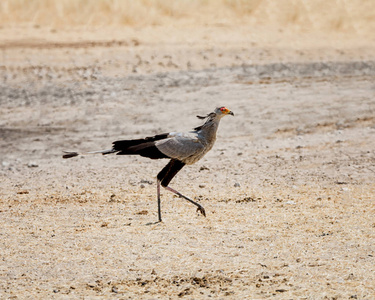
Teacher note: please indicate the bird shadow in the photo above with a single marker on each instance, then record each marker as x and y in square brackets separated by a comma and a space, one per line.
[153, 223]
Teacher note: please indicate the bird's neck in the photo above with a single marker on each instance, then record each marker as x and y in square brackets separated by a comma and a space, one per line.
[208, 130]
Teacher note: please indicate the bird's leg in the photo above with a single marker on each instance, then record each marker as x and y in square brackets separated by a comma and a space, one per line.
[159, 206]
[200, 207]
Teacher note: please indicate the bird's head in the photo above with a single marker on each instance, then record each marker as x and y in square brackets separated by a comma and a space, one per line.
[222, 111]
[219, 112]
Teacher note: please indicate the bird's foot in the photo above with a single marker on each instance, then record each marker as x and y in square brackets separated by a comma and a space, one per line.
[201, 210]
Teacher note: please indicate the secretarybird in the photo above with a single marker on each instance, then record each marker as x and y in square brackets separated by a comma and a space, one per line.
[182, 148]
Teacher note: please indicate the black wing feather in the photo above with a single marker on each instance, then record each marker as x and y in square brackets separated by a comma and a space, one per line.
[144, 147]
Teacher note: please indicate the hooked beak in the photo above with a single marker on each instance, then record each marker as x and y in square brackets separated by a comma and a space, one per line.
[231, 113]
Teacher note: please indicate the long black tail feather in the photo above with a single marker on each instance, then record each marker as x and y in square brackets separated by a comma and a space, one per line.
[70, 154]
[144, 147]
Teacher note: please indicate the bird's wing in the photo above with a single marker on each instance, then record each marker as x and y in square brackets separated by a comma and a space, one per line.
[180, 145]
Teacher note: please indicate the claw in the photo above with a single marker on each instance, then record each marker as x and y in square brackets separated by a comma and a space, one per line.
[201, 210]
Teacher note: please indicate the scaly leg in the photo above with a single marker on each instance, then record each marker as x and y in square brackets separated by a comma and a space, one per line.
[200, 207]
[159, 206]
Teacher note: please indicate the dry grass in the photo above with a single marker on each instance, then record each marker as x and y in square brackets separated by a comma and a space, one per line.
[344, 16]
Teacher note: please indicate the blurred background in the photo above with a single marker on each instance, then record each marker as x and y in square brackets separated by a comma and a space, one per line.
[346, 19]
[235, 32]
[345, 16]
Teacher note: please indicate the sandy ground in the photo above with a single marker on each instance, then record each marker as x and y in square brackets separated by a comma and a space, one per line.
[288, 188]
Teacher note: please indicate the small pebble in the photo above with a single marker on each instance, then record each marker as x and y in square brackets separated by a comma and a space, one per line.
[22, 192]
[32, 165]
[146, 181]
[237, 184]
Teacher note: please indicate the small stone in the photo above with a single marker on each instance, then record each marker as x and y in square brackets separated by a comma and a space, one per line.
[237, 184]
[23, 192]
[32, 165]
[146, 181]
[114, 289]
[202, 186]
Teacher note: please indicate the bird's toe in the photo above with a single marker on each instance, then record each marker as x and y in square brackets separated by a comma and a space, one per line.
[201, 210]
